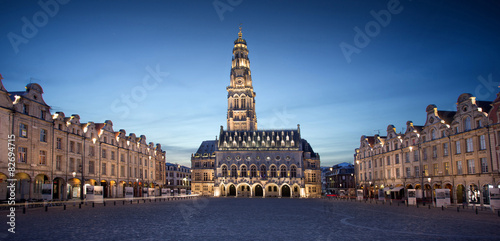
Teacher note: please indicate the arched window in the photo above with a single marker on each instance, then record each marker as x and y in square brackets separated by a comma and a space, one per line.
[273, 171]
[224, 171]
[263, 171]
[293, 171]
[243, 171]
[467, 125]
[234, 173]
[433, 134]
[253, 171]
[283, 172]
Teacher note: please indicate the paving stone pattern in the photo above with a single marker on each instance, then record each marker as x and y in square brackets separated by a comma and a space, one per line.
[252, 219]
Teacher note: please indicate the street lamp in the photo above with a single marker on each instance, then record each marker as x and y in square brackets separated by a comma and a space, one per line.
[80, 168]
[432, 193]
[370, 189]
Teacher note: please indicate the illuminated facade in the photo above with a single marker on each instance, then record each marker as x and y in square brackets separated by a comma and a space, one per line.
[457, 150]
[246, 162]
[62, 151]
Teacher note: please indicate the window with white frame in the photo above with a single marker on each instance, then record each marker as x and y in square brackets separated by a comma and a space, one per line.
[484, 165]
[457, 147]
[43, 157]
[58, 162]
[471, 169]
[22, 154]
[23, 130]
[482, 142]
[459, 168]
[43, 135]
[470, 145]
[59, 143]
[445, 149]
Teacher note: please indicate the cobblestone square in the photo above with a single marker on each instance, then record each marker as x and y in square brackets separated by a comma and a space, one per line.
[252, 219]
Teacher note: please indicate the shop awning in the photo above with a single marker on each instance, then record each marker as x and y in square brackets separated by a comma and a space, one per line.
[386, 189]
[396, 189]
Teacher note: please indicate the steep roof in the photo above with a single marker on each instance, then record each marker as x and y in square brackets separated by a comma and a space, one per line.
[485, 105]
[207, 147]
[306, 147]
[447, 116]
[259, 139]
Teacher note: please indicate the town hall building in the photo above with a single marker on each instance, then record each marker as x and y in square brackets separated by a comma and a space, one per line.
[247, 162]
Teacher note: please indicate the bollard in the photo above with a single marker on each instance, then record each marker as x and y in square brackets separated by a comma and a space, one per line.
[47, 208]
[137, 201]
[92, 204]
[458, 209]
[499, 213]
[144, 200]
[24, 211]
[429, 206]
[104, 203]
[64, 206]
[80, 206]
[417, 204]
[114, 203]
[123, 202]
[442, 208]
[476, 210]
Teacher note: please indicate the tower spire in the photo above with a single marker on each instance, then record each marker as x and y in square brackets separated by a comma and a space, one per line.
[241, 114]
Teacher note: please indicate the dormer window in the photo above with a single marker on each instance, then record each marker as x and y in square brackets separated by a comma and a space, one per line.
[42, 114]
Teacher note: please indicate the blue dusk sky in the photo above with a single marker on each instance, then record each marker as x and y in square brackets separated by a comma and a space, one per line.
[340, 69]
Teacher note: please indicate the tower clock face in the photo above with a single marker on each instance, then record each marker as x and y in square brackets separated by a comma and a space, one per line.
[239, 82]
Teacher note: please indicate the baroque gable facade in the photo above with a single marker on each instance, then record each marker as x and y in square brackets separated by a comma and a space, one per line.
[62, 151]
[457, 150]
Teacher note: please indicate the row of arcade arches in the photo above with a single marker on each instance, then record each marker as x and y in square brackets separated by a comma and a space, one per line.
[28, 188]
[258, 190]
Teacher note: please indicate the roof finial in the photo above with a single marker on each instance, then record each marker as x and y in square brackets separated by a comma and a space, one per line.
[240, 34]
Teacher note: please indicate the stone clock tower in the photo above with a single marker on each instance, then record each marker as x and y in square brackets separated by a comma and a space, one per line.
[241, 114]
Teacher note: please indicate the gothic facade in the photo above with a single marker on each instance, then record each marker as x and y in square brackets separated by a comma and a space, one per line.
[246, 162]
[458, 150]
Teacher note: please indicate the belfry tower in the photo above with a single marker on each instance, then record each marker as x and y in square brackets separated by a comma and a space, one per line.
[241, 114]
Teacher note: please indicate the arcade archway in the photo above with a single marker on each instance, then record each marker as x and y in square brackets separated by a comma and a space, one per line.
[285, 191]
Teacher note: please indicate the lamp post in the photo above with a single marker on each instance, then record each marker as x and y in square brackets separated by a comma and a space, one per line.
[80, 168]
[432, 194]
[370, 189]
